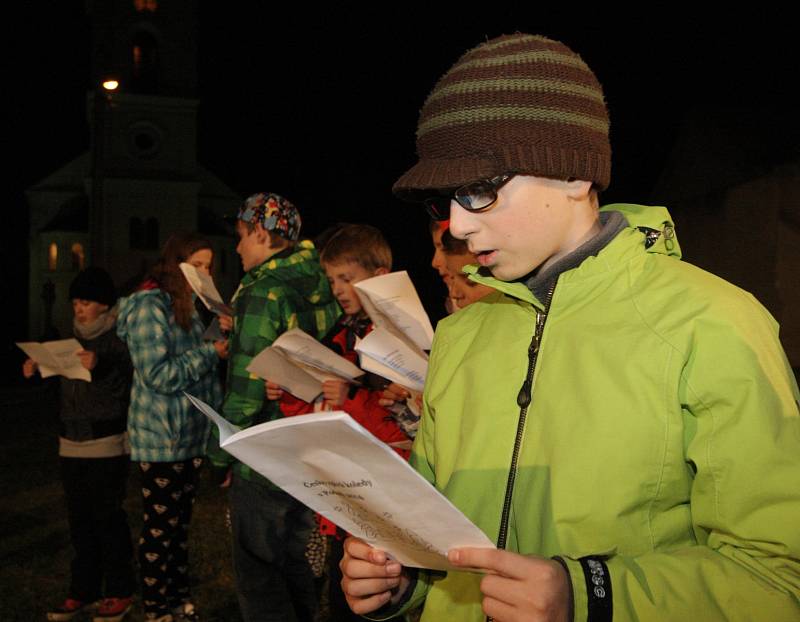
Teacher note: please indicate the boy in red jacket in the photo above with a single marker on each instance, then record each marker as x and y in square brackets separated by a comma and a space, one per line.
[354, 253]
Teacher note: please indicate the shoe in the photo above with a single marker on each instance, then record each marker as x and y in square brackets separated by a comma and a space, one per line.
[113, 609]
[185, 613]
[69, 609]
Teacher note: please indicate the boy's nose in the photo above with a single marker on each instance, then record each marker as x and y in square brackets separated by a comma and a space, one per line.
[462, 222]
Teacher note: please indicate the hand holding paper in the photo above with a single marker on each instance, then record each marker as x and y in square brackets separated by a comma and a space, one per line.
[337, 468]
[300, 364]
[57, 358]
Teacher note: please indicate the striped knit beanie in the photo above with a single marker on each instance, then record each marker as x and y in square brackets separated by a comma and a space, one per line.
[518, 103]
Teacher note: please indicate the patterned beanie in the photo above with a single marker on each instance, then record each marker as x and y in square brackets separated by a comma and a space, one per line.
[273, 212]
[518, 103]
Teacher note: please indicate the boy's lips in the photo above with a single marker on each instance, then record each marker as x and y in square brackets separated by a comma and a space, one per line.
[486, 258]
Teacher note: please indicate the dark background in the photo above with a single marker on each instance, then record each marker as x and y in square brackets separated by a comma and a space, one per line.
[320, 104]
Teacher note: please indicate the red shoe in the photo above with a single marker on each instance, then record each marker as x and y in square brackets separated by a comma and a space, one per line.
[69, 609]
[113, 609]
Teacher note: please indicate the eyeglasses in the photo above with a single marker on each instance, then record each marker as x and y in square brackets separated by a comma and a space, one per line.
[475, 196]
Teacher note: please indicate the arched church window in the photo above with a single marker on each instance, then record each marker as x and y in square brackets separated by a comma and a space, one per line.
[141, 6]
[78, 257]
[52, 256]
[145, 62]
[136, 233]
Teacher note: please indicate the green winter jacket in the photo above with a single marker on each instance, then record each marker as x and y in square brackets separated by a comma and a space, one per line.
[663, 433]
[284, 292]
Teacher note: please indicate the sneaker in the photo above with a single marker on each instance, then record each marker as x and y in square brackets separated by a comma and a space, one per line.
[69, 609]
[113, 609]
[185, 613]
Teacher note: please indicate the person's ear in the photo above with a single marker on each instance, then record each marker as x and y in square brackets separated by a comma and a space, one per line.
[261, 234]
[381, 270]
[578, 189]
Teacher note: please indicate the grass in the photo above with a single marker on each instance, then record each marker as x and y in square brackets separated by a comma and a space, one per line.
[35, 550]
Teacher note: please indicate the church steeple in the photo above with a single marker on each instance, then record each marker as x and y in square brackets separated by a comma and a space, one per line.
[141, 180]
[148, 45]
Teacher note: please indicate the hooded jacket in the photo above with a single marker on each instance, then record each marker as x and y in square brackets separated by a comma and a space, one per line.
[287, 291]
[662, 437]
[163, 426]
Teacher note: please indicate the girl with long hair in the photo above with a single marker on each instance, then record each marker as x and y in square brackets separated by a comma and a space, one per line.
[168, 436]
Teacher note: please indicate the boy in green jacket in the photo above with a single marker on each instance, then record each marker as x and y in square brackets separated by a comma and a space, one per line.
[284, 287]
[624, 425]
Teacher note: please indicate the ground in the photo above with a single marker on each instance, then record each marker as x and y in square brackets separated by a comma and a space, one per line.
[34, 538]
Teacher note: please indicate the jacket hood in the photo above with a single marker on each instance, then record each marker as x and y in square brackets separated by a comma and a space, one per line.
[130, 305]
[650, 227]
[300, 270]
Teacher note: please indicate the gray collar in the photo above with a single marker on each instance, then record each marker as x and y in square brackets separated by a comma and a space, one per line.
[539, 283]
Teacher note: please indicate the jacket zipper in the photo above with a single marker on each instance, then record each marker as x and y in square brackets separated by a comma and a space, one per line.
[523, 401]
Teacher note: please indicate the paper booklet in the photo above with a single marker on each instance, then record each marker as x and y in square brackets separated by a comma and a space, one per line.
[203, 286]
[383, 353]
[337, 468]
[57, 358]
[392, 303]
[300, 364]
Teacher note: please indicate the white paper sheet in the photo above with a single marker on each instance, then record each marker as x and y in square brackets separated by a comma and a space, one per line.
[300, 364]
[337, 468]
[384, 354]
[301, 346]
[57, 358]
[203, 286]
[273, 365]
[391, 302]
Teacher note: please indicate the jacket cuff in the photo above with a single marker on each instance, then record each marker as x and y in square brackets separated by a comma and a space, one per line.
[591, 588]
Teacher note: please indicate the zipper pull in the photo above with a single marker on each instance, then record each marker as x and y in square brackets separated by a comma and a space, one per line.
[524, 395]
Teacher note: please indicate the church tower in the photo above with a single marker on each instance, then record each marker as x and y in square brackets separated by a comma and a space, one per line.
[140, 181]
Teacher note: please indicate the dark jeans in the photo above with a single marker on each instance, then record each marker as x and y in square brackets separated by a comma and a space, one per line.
[95, 490]
[270, 531]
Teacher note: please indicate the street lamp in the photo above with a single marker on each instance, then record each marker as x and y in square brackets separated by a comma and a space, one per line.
[101, 106]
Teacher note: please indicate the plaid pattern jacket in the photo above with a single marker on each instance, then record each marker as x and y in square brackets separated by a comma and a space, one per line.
[286, 291]
[162, 424]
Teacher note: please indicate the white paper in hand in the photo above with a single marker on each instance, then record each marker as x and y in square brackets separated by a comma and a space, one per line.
[391, 302]
[203, 286]
[336, 467]
[272, 365]
[384, 354]
[57, 358]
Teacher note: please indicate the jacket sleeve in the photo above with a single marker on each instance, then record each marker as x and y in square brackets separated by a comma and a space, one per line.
[742, 441]
[363, 406]
[292, 406]
[112, 358]
[260, 321]
[149, 344]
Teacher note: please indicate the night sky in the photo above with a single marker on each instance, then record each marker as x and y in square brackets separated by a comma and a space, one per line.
[321, 105]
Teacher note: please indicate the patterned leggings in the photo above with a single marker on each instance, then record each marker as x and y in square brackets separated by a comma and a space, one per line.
[168, 491]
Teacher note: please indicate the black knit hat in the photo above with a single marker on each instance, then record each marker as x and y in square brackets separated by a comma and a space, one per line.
[515, 104]
[93, 284]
